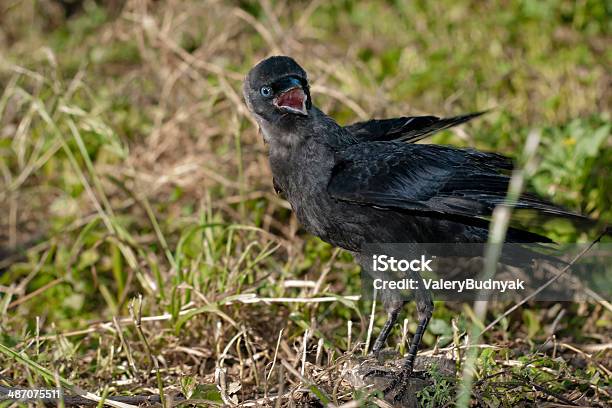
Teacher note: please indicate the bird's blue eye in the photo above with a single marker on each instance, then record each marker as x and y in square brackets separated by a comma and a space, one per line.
[265, 91]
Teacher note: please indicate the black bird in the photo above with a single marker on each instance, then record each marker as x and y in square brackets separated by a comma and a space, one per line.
[368, 182]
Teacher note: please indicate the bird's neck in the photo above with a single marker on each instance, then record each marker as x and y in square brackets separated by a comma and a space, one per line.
[292, 162]
[303, 145]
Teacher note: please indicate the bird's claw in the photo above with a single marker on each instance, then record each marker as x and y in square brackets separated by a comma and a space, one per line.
[397, 390]
[397, 387]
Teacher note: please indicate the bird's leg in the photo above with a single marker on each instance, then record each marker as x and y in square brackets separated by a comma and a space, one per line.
[393, 308]
[416, 341]
[424, 309]
[386, 329]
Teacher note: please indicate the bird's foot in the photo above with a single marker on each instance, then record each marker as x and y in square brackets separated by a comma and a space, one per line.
[398, 387]
[402, 389]
[397, 384]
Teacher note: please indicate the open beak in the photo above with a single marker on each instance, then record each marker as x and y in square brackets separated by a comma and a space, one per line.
[292, 98]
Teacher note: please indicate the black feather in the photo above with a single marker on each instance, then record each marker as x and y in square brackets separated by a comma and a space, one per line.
[409, 129]
[428, 178]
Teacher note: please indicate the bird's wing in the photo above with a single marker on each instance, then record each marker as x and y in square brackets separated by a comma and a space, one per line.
[427, 178]
[408, 129]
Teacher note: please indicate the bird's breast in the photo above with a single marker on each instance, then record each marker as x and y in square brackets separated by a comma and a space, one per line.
[303, 176]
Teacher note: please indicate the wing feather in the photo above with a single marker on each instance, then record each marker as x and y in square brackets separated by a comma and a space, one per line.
[428, 178]
[409, 129]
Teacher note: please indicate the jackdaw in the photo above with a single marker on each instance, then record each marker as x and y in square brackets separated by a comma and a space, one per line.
[369, 183]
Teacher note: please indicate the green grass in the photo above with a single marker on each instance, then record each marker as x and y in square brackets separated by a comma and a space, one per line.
[130, 167]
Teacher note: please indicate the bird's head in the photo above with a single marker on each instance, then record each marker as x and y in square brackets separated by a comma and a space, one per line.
[277, 87]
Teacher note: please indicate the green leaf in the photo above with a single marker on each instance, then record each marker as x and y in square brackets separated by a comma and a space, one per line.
[207, 392]
[532, 322]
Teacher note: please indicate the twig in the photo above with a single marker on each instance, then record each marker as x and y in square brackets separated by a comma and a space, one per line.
[370, 325]
[280, 336]
[304, 351]
[547, 391]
